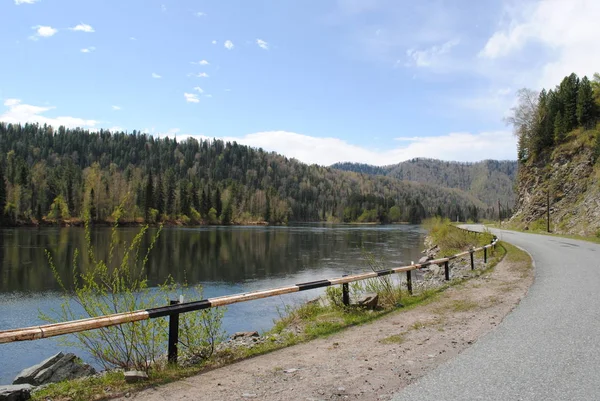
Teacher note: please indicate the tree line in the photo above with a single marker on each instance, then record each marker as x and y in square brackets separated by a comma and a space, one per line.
[55, 175]
[541, 121]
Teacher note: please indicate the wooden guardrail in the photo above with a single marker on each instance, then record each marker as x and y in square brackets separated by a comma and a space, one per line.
[175, 308]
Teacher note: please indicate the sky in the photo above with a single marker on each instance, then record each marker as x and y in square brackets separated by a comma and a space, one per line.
[322, 81]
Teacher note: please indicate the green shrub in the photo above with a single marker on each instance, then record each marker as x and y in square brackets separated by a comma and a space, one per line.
[111, 286]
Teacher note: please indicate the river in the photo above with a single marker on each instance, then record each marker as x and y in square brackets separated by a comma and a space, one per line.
[224, 260]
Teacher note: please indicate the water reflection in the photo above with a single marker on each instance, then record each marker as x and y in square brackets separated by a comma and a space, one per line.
[200, 255]
[225, 260]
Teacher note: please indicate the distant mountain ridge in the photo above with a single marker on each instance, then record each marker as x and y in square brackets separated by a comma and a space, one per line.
[489, 181]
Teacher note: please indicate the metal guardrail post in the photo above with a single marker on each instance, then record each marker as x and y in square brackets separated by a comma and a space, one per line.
[345, 293]
[409, 281]
[173, 335]
[484, 255]
[472, 262]
[447, 270]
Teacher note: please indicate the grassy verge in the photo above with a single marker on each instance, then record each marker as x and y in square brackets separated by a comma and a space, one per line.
[452, 240]
[303, 323]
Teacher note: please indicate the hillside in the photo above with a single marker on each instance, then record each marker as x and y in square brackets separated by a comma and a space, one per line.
[488, 180]
[54, 175]
[559, 138]
[572, 176]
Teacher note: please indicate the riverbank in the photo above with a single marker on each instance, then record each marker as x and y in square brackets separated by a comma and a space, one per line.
[452, 303]
[370, 361]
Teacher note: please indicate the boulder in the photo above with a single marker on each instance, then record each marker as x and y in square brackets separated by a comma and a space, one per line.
[244, 334]
[368, 300]
[15, 392]
[67, 368]
[27, 375]
[55, 369]
[424, 259]
[134, 376]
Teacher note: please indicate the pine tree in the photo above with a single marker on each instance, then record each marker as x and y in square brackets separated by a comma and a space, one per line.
[149, 197]
[268, 208]
[559, 131]
[158, 196]
[585, 103]
[568, 90]
[205, 202]
[218, 204]
[2, 194]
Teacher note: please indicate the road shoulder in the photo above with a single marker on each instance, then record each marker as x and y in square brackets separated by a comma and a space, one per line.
[371, 361]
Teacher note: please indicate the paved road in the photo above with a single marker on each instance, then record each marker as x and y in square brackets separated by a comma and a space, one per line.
[548, 348]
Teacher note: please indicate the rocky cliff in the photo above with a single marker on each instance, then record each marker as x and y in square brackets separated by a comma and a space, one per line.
[572, 178]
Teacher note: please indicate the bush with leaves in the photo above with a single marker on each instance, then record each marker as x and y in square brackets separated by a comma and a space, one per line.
[111, 286]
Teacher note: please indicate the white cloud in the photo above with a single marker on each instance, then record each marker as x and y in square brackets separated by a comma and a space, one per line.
[163, 8]
[228, 44]
[566, 30]
[173, 131]
[132, 38]
[198, 75]
[214, 42]
[200, 14]
[428, 57]
[198, 89]
[191, 97]
[19, 2]
[201, 62]
[116, 107]
[11, 102]
[156, 76]
[43, 31]
[19, 113]
[326, 151]
[88, 49]
[262, 44]
[82, 28]
[116, 128]
[208, 95]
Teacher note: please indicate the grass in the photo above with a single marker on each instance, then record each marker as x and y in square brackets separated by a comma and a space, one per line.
[453, 240]
[313, 320]
[393, 339]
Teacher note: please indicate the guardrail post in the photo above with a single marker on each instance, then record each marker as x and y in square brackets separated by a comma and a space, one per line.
[484, 255]
[472, 262]
[345, 293]
[409, 281]
[173, 335]
[447, 270]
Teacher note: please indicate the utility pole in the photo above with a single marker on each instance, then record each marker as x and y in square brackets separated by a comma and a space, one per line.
[548, 210]
[499, 212]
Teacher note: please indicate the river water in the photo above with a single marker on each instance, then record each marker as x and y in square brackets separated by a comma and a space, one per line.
[224, 260]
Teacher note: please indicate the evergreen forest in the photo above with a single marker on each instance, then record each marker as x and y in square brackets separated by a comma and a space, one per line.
[56, 175]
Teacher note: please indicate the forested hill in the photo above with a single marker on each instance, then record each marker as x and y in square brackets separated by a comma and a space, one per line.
[488, 180]
[559, 149]
[62, 175]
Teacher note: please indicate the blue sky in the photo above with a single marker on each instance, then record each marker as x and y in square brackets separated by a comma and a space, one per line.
[375, 81]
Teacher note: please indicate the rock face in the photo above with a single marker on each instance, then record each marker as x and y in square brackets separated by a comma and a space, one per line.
[55, 369]
[16, 392]
[570, 177]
